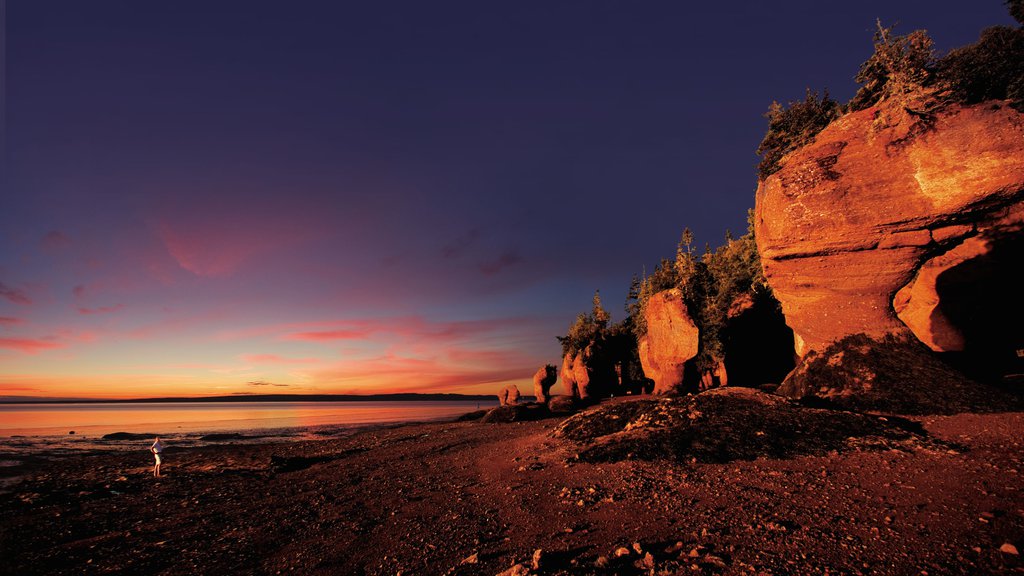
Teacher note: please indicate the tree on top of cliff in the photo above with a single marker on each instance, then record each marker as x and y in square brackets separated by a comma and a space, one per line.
[709, 286]
[587, 329]
[792, 127]
[905, 67]
[900, 65]
[1016, 9]
[990, 69]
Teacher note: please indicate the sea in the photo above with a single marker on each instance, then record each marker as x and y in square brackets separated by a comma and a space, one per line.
[59, 429]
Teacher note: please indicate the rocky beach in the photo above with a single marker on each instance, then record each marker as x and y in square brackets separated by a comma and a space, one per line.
[923, 495]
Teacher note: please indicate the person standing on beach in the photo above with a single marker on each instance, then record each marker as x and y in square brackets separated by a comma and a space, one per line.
[157, 448]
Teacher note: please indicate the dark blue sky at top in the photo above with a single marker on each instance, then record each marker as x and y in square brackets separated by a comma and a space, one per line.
[452, 160]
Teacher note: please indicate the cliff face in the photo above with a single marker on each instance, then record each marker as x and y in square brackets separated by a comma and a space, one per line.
[672, 338]
[884, 205]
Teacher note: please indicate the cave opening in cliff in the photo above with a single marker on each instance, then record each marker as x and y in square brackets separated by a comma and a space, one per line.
[981, 298]
[759, 348]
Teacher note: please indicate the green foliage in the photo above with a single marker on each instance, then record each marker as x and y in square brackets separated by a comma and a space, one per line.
[990, 69]
[905, 67]
[900, 65]
[1016, 8]
[587, 329]
[709, 287]
[792, 127]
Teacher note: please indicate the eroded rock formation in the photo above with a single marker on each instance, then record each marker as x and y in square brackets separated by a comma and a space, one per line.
[509, 395]
[671, 340]
[543, 380]
[884, 203]
[589, 374]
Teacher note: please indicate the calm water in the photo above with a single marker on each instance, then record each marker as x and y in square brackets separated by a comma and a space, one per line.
[48, 427]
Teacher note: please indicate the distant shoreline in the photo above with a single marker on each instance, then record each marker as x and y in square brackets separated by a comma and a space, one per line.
[400, 397]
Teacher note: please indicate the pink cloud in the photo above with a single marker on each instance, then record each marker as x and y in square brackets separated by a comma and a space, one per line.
[275, 359]
[29, 345]
[393, 373]
[9, 321]
[330, 335]
[55, 240]
[101, 309]
[79, 291]
[14, 295]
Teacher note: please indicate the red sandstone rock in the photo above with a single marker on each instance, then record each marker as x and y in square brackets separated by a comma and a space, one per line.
[509, 395]
[581, 376]
[671, 340]
[543, 380]
[878, 198]
[566, 374]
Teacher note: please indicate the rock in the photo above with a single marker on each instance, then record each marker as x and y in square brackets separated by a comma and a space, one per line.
[472, 559]
[562, 404]
[543, 380]
[589, 374]
[880, 204]
[723, 425]
[515, 413]
[621, 551]
[472, 416]
[896, 374]
[222, 437]
[1008, 548]
[581, 376]
[567, 376]
[758, 346]
[671, 339]
[516, 570]
[509, 395]
[538, 559]
[129, 436]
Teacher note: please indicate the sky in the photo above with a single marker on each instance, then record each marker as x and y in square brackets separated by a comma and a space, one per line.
[215, 198]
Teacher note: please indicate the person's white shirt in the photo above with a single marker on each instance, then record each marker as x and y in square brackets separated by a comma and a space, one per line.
[158, 446]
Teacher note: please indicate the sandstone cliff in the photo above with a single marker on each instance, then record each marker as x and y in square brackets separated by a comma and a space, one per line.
[882, 205]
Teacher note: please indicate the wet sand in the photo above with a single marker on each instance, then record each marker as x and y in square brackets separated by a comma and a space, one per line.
[472, 498]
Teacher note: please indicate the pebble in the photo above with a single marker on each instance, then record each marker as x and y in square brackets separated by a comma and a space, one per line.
[1008, 548]
[516, 570]
[538, 558]
[622, 551]
[471, 559]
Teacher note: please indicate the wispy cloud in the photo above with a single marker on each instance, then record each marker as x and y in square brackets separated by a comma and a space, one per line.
[55, 240]
[29, 345]
[14, 295]
[275, 359]
[459, 245]
[10, 321]
[101, 309]
[262, 383]
[505, 260]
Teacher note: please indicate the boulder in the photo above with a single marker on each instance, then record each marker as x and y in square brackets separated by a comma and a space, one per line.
[724, 425]
[515, 413]
[563, 404]
[543, 380]
[895, 374]
[671, 340]
[509, 395]
[882, 203]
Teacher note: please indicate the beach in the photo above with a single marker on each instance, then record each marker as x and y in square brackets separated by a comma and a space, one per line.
[475, 498]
